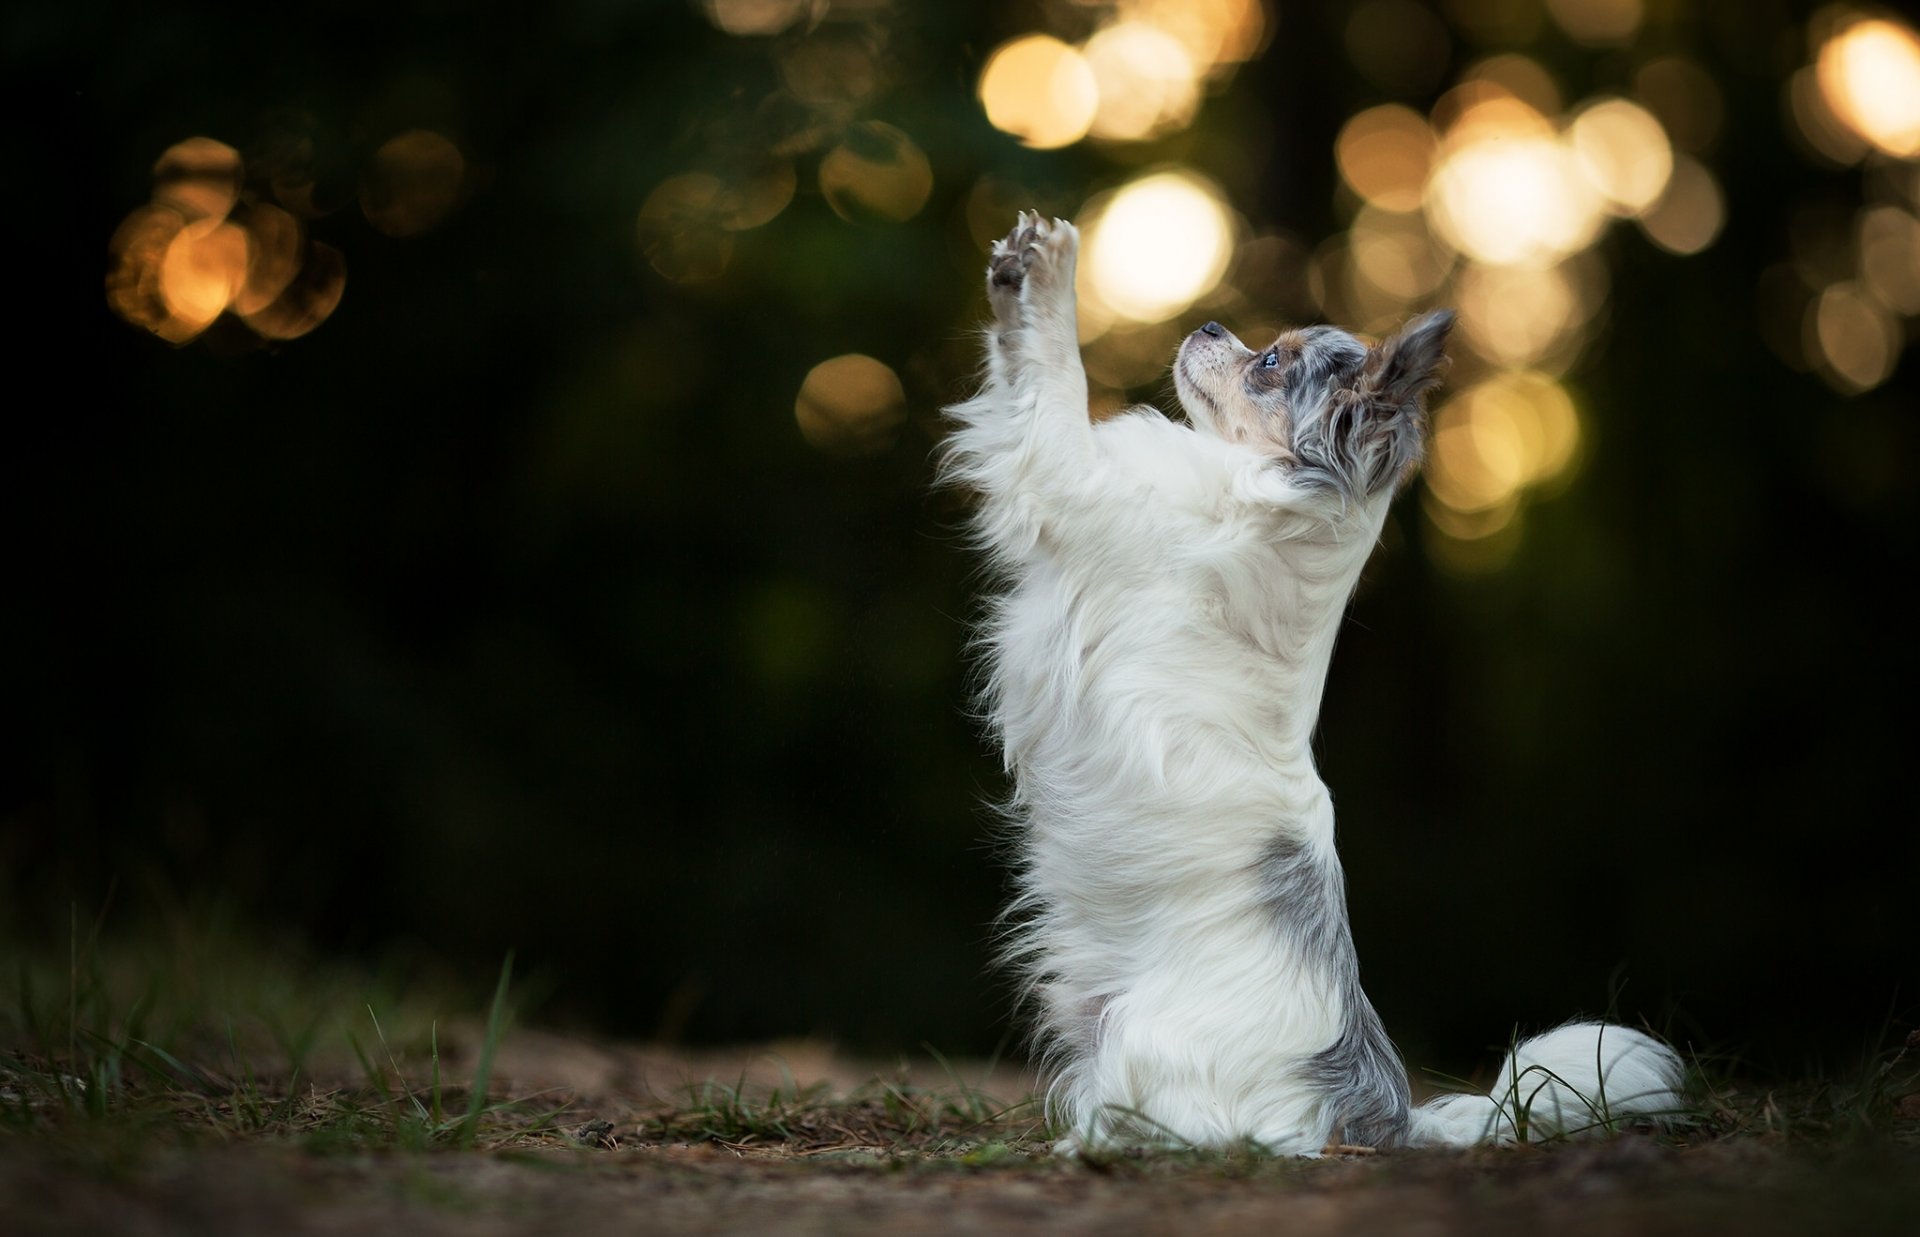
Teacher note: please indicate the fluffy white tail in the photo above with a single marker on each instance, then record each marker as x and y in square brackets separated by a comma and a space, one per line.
[1584, 1077]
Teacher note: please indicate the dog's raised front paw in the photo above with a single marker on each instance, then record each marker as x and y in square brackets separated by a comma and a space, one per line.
[1013, 254]
[1033, 262]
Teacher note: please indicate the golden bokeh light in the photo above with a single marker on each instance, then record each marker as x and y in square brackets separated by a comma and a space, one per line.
[1889, 244]
[1512, 431]
[1474, 465]
[1385, 154]
[758, 198]
[274, 257]
[1526, 315]
[197, 252]
[751, 17]
[1396, 254]
[1146, 80]
[133, 276]
[1510, 192]
[1039, 90]
[1510, 73]
[308, 300]
[1217, 34]
[203, 269]
[1154, 246]
[200, 178]
[850, 405]
[1689, 215]
[412, 182]
[1814, 120]
[682, 228]
[1472, 543]
[1853, 336]
[1869, 74]
[1598, 23]
[876, 174]
[1623, 152]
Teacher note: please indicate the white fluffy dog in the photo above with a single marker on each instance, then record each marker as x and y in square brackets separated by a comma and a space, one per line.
[1155, 665]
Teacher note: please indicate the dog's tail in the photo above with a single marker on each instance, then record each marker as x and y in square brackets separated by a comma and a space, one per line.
[1584, 1077]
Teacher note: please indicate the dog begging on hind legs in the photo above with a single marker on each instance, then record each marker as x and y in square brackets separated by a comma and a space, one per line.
[1154, 659]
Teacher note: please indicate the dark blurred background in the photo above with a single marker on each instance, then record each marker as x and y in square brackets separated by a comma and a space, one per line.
[469, 485]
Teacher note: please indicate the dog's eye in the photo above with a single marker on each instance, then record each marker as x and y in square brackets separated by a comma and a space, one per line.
[1270, 358]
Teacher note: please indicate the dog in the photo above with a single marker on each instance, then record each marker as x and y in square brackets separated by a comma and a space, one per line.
[1153, 668]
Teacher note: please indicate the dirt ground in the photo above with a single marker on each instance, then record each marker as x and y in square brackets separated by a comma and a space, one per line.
[623, 1158]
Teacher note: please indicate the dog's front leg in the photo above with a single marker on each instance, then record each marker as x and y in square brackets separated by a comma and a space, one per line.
[1035, 349]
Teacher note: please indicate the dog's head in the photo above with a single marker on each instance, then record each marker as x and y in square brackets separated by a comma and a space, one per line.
[1335, 411]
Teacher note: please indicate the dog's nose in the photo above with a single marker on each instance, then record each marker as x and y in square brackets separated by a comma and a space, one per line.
[1214, 329]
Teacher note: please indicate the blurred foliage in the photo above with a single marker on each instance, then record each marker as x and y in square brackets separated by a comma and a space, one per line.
[573, 584]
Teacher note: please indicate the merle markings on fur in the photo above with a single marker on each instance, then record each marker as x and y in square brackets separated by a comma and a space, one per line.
[1154, 660]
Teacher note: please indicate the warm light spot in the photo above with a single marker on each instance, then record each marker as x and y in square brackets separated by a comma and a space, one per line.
[1814, 120]
[850, 405]
[1396, 254]
[1216, 33]
[755, 16]
[1889, 240]
[756, 200]
[1511, 194]
[411, 183]
[133, 280]
[1869, 72]
[1598, 23]
[1039, 90]
[1474, 465]
[1146, 80]
[1472, 543]
[1385, 154]
[1156, 245]
[876, 173]
[1477, 111]
[682, 228]
[1689, 215]
[1520, 315]
[273, 258]
[308, 300]
[1470, 525]
[1522, 77]
[199, 177]
[1514, 430]
[204, 268]
[1854, 335]
[1623, 152]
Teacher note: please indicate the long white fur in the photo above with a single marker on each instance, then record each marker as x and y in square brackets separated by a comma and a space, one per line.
[1154, 667]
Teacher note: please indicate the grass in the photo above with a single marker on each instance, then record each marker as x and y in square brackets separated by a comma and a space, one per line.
[202, 1032]
[205, 1035]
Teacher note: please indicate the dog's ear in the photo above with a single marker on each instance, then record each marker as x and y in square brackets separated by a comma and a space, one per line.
[1400, 368]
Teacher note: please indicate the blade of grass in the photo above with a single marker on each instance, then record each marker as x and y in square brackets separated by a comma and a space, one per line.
[483, 1069]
